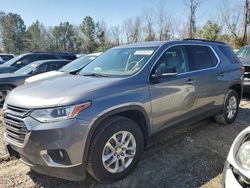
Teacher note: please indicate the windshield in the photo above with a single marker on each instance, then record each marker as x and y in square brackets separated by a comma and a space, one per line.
[13, 60]
[243, 52]
[27, 69]
[119, 62]
[77, 64]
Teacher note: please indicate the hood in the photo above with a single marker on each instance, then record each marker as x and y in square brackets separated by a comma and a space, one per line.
[245, 61]
[58, 91]
[44, 76]
[7, 69]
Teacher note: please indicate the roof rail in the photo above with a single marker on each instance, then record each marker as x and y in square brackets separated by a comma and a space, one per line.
[66, 53]
[203, 40]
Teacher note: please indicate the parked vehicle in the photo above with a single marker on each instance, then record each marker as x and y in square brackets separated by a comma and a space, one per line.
[71, 68]
[237, 167]
[25, 59]
[244, 56]
[100, 120]
[1, 61]
[6, 57]
[8, 81]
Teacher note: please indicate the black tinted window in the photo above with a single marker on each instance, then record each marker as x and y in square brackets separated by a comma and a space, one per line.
[202, 57]
[6, 57]
[43, 57]
[175, 57]
[229, 54]
[57, 65]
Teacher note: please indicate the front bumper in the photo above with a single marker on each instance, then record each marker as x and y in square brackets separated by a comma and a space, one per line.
[229, 180]
[54, 149]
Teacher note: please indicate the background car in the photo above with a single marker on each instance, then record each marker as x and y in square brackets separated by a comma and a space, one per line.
[1, 61]
[9, 81]
[72, 68]
[244, 55]
[25, 59]
[6, 57]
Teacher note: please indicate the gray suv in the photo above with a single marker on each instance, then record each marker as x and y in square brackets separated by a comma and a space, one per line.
[100, 120]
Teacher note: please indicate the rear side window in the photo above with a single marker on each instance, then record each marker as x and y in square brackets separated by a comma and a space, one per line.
[57, 65]
[6, 57]
[229, 54]
[43, 57]
[202, 57]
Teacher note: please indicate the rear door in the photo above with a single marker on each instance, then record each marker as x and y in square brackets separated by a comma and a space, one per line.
[172, 98]
[203, 64]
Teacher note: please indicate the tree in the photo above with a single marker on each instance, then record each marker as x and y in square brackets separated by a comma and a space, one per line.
[192, 6]
[36, 36]
[163, 22]
[132, 29]
[101, 34]
[13, 33]
[245, 22]
[148, 17]
[64, 36]
[115, 35]
[210, 31]
[88, 27]
[231, 16]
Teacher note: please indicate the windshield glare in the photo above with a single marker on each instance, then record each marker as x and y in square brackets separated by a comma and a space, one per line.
[243, 52]
[13, 60]
[119, 62]
[27, 69]
[77, 64]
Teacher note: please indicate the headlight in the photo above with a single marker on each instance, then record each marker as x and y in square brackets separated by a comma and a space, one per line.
[243, 155]
[58, 114]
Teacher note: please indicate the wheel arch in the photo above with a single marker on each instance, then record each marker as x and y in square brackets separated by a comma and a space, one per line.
[136, 113]
[238, 88]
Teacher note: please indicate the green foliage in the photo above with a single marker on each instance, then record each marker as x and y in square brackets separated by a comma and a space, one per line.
[88, 28]
[13, 33]
[210, 31]
[64, 36]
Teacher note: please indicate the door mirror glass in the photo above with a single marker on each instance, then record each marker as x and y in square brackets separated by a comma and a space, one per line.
[164, 72]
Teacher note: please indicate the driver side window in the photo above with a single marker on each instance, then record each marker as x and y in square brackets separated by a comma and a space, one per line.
[175, 57]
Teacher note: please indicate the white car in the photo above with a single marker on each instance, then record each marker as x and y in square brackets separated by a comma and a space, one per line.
[236, 173]
[71, 68]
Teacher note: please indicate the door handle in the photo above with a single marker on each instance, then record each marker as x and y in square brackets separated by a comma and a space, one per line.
[190, 81]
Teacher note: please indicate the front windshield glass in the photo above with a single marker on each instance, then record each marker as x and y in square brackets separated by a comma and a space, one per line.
[27, 69]
[243, 52]
[119, 62]
[13, 60]
[77, 64]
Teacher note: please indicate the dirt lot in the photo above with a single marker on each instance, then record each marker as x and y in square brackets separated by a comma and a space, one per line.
[190, 157]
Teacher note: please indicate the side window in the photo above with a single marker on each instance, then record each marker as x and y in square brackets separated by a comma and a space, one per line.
[43, 57]
[56, 65]
[41, 69]
[175, 57]
[229, 54]
[24, 61]
[202, 57]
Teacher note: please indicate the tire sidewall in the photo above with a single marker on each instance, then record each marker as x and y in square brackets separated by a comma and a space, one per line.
[228, 96]
[123, 124]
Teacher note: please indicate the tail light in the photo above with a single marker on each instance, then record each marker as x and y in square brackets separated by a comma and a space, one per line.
[242, 69]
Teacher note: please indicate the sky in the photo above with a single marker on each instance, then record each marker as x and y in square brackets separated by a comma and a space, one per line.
[113, 12]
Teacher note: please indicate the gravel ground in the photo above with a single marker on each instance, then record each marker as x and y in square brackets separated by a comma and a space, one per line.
[189, 157]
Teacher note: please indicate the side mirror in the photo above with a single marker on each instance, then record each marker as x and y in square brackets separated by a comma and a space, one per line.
[164, 72]
[35, 71]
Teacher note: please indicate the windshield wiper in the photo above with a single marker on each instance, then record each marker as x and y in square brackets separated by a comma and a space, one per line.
[96, 75]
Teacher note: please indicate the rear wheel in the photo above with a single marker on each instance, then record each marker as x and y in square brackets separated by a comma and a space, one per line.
[230, 108]
[115, 149]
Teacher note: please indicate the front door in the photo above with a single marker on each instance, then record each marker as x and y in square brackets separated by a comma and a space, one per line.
[172, 98]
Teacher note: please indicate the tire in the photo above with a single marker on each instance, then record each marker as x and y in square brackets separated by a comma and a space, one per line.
[114, 126]
[224, 117]
[4, 90]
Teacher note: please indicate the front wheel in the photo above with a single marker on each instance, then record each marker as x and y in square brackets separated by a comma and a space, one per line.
[115, 149]
[230, 108]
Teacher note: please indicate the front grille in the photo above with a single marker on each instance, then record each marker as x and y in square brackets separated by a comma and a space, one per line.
[16, 129]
